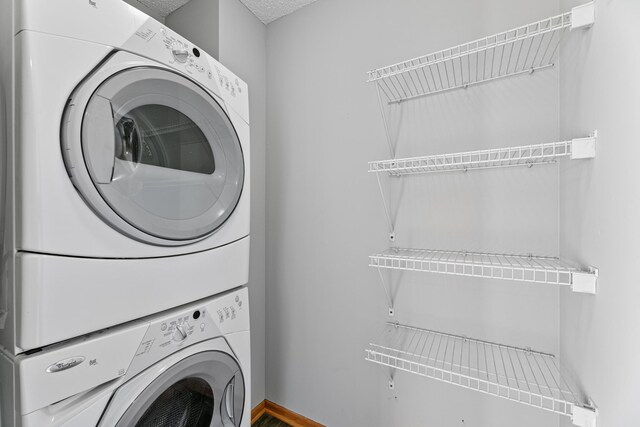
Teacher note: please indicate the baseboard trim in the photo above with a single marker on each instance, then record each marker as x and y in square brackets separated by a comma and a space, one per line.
[281, 413]
[258, 411]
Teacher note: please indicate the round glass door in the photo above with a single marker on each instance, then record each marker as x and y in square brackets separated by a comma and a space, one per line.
[162, 154]
[188, 402]
[204, 390]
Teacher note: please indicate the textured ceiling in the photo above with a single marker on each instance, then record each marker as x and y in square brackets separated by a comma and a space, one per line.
[270, 10]
[266, 10]
[163, 7]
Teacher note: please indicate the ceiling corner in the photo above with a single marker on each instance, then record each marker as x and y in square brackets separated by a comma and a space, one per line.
[270, 10]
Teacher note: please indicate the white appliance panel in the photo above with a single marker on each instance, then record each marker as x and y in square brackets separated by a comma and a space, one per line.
[146, 346]
[98, 361]
[70, 227]
[105, 22]
[63, 297]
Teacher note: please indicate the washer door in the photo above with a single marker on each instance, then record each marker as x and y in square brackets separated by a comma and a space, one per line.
[203, 390]
[162, 154]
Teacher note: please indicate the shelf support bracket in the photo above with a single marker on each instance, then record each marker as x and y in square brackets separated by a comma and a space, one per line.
[392, 151]
[584, 148]
[387, 293]
[585, 281]
[387, 212]
[584, 416]
[583, 16]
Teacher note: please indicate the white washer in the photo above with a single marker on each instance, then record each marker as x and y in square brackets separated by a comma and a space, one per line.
[127, 170]
[190, 364]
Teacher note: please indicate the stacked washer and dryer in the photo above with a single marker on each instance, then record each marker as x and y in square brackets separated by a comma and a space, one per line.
[125, 222]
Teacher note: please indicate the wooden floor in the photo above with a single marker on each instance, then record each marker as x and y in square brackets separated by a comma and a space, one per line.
[269, 421]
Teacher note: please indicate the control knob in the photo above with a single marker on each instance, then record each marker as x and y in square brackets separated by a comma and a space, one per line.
[181, 333]
[180, 52]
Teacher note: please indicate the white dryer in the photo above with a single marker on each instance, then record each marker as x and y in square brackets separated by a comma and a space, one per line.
[126, 171]
[185, 367]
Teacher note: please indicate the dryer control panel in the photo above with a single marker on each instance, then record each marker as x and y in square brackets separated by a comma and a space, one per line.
[153, 40]
[180, 52]
[118, 24]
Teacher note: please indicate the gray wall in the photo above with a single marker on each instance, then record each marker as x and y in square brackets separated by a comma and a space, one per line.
[324, 215]
[240, 44]
[600, 207]
[243, 50]
[198, 21]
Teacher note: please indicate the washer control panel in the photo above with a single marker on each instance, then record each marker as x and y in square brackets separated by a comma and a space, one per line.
[189, 325]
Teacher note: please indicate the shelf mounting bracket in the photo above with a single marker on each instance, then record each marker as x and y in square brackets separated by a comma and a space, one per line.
[583, 16]
[584, 416]
[584, 148]
[585, 281]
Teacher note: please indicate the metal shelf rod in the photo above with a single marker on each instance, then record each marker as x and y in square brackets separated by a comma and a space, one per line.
[469, 84]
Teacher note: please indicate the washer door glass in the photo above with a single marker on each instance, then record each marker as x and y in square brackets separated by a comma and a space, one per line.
[189, 402]
[203, 390]
[162, 153]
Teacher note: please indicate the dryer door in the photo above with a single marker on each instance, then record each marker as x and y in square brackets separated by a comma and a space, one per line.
[203, 390]
[162, 154]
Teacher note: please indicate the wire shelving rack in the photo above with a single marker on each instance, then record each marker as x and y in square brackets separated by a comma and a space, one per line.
[526, 155]
[517, 51]
[518, 374]
[522, 268]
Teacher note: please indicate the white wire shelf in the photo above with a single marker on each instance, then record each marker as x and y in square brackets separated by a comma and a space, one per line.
[520, 50]
[518, 374]
[526, 155]
[523, 268]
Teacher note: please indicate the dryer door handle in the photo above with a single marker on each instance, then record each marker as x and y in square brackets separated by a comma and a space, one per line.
[99, 139]
[229, 400]
[128, 140]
